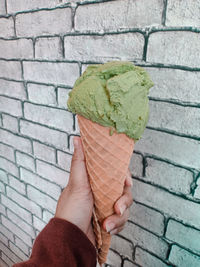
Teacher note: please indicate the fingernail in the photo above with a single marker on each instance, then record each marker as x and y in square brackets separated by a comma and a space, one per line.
[131, 183]
[113, 232]
[122, 209]
[109, 227]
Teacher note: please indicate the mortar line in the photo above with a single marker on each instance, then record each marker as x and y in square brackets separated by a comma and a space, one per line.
[164, 13]
[180, 195]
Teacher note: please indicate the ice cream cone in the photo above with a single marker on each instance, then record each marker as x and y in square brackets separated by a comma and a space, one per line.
[107, 161]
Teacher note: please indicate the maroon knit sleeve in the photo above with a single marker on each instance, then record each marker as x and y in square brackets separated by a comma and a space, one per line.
[61, 244]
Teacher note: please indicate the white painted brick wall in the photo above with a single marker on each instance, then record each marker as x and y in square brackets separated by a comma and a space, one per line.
[127, 46]
[48, 19]
[6, 27]
[46, 72]
[171, 48]
[41, 56]
[12, 89]
[48, 48]
[181, 257]
[183, 13]
[108, 16]
[10, 69]
[10, 122]
[41, 94]
[20, 48]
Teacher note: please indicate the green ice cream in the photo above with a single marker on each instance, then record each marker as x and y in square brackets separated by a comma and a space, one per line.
[114, 94]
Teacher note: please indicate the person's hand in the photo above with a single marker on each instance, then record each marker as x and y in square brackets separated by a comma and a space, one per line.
[76, 201]
[116, 222]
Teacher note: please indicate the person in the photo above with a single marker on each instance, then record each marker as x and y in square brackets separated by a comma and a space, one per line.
[68, 239]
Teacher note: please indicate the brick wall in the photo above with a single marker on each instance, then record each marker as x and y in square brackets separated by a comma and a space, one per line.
[44, 47]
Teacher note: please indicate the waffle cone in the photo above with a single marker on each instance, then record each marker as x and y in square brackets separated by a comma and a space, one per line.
[107, 161]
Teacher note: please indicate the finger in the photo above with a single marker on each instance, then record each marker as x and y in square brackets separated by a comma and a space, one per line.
[78, 170]
[117, 230]
[124, 202]
[128, 180]
[115, 221]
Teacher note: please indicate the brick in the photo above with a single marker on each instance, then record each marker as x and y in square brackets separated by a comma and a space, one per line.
[48, 48]
[3, 177]
[18, 252]
[44, 152]
[46, 72]
[14, 228]
[25, 160]
[10, 123]
[183, 13]
[144, 258]
[42, 199]
[63, 95]
[12, 89]
[44, 134]
[3, 263]
[21, 223]
[49, 116]
[16, 141]
[52, 173]
[148, 218]
[4, 239]
[145, 239]
[8, 256]
[173, 84]
[2, 188]
[41, 184]
[11, 106]
[128, 263]
[171, 48]
[2, 210]
[26, 215]
[19, 48]
[168, 146]
[6, 232]
[7, 152]
[183, 235]
[6, 27]
[22, 5]
[38, 224]
[47, 216]
[64, 160]
[17, 184]
[41, 94]
[24, 202]
[2, 8]
[20, 244]
[136, 165]
[118, 15]
[10, 69]
[183, 258]
[180, 122]
[113, 259]
[9, 166]
[48, 19]
[169, 176]
[122, 246]
[167, 203]
[128, 46]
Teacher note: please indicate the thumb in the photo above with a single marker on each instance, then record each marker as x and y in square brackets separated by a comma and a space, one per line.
[78, 172]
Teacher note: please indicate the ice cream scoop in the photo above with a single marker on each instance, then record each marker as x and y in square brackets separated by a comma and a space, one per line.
[114, 94]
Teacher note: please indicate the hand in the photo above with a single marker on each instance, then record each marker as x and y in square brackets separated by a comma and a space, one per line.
[116, 222]
[76, 201]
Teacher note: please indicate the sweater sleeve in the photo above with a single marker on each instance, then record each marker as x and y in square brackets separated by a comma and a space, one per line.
[61, 244]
